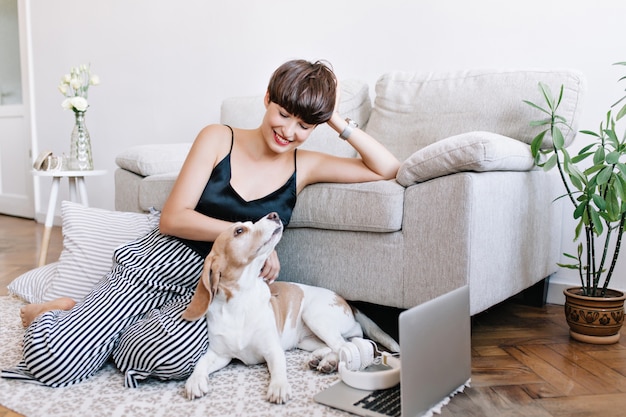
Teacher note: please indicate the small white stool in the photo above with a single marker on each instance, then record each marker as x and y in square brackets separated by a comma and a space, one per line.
[78, 193]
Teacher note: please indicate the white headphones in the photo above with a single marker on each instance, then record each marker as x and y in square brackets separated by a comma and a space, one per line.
[357, 355]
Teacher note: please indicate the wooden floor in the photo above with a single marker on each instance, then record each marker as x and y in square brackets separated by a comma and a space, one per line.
[523, 361]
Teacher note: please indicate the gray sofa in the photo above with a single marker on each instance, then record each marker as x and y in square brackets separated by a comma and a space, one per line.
[467, 206]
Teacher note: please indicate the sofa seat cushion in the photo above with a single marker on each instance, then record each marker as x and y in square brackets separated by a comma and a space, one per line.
[146, 160]
[472, 151]
[365, 207]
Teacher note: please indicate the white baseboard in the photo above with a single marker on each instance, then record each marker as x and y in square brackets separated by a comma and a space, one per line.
[555, 292]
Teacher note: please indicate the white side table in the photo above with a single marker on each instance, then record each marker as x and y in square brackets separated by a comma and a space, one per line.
[78, 193]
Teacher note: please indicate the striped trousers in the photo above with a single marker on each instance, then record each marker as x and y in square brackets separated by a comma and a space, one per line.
[132, 316]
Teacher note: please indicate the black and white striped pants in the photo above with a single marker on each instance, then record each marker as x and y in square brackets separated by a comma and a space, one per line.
[133, 315]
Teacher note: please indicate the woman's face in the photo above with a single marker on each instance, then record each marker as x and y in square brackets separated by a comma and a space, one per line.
[282, 130]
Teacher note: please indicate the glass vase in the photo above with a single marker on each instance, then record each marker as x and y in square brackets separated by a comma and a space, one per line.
[80, 146]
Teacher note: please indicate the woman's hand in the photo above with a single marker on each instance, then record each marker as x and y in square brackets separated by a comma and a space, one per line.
[271, 269]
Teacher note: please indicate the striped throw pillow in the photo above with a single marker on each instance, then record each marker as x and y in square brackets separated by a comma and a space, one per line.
[90, 235]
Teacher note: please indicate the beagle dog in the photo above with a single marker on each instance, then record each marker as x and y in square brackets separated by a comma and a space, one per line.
[255, 322]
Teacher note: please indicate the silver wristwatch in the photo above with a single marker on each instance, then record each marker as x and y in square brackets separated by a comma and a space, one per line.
[345, 134]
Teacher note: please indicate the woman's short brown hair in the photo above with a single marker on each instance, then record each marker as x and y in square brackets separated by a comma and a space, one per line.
[305, 89]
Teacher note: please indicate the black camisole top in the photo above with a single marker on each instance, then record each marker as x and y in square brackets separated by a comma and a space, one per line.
[220, 200]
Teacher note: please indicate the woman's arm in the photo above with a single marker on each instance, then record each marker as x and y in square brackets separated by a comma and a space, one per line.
[374, 155]
[375, 162]
[178, 216]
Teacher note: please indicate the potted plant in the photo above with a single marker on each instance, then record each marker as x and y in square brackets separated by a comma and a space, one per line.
[595, 184]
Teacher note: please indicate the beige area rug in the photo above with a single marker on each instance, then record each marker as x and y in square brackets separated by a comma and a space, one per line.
[237, 390]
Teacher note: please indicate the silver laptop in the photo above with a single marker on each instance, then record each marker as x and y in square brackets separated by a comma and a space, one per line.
[435, 343]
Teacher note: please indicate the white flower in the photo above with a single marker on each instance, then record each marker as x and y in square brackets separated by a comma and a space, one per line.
[79, 103]
[75, 85]
[75, 103]
[67, 104]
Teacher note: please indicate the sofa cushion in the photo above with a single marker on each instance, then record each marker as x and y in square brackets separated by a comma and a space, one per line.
[413, 110]
[472, 151]
[247, 113]
[154, 159]
[365, 207]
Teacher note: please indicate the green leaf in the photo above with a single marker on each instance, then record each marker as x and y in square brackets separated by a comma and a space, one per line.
[612, 137]
[599, 201]
[542, 122]
[612, 205]
[560, 97]
[579, 211]
[576, 182]
[594, 168]
[589, 132]
[604, 175]
[621, 113]
[547, 95]
[620, 187]
[557, 138]
[537, 142]
[613, 157]
[577, 177]
[536, 106]
[568, 266]
[550, 163]
[581, 156]
[598, 156]
[597, 222]
[577, 231]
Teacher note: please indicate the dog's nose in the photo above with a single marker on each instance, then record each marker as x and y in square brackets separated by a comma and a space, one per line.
[274, 216]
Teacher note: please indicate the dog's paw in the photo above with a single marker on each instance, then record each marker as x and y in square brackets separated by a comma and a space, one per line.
[196, 386]
[329, 363]
[317, 356]
[324, 360]
[279, 392]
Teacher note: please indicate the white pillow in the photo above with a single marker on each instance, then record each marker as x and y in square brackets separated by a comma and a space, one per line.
[31, 286]
[90, 235]
[147, 160]
[472, 151]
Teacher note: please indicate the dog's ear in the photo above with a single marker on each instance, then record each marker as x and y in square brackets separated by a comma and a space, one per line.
[207, 286]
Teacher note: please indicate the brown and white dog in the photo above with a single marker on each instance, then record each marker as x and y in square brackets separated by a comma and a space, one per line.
[255, 322]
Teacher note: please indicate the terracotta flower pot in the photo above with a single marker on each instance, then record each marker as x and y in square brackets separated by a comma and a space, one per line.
[595, 320]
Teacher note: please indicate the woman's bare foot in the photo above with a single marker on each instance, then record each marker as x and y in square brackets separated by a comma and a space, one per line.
[30, 312]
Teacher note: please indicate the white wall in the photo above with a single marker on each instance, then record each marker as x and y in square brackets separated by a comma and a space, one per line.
[166, 65]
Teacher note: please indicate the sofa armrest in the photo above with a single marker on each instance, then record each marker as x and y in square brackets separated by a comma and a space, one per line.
[472, 151]
[481, 229]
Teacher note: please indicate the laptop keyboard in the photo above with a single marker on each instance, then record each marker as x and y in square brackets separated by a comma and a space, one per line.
[386, 401]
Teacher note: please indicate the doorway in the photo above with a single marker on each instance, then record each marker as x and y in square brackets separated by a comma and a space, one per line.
[16, 181]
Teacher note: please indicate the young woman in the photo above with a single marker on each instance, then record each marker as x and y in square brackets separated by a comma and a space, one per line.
[134, 314]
